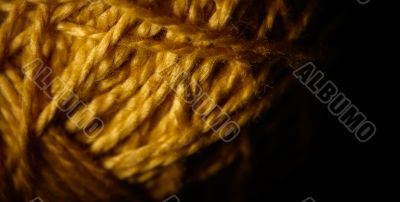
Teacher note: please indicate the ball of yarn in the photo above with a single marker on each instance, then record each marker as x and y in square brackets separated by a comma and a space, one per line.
[106, 99]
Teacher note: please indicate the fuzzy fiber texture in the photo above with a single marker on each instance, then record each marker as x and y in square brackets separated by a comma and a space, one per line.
[106, 100]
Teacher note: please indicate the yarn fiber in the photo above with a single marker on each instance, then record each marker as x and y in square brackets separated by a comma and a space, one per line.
[105, 99]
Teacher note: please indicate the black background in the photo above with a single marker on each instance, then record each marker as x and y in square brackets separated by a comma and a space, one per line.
[312, 153]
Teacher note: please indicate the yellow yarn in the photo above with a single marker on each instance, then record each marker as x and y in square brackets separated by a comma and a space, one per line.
[94, 94]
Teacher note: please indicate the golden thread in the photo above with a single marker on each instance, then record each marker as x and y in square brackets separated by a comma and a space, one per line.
[67, 63]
